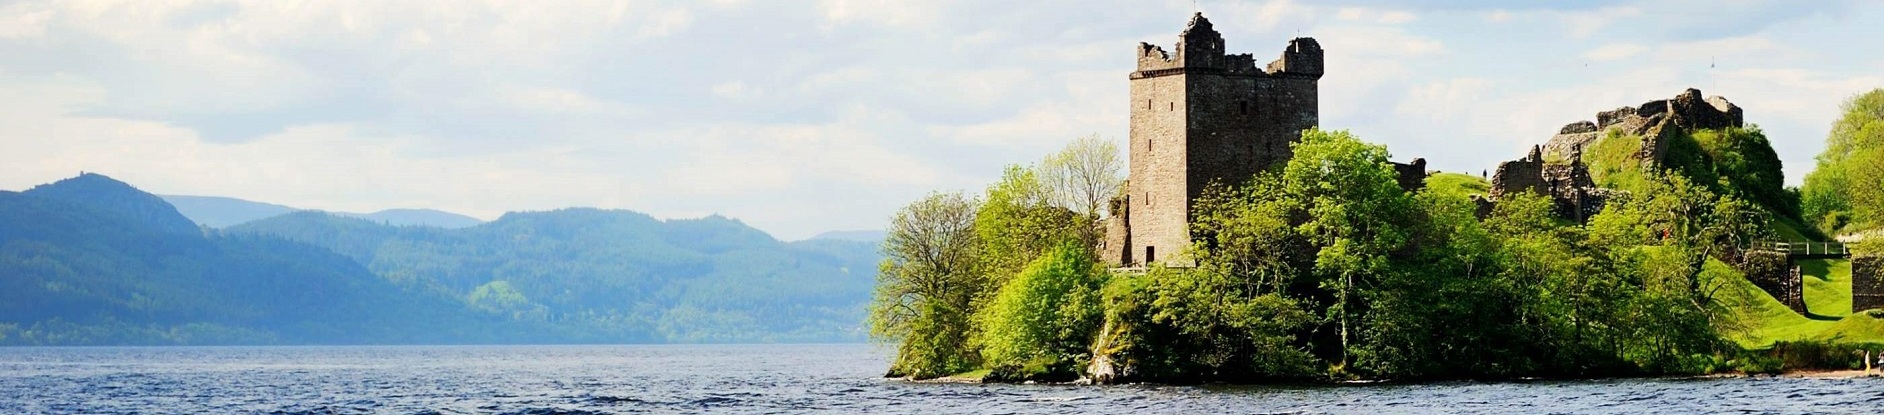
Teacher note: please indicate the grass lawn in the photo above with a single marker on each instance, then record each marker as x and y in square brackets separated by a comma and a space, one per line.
[1458, 183]
[1827, 288]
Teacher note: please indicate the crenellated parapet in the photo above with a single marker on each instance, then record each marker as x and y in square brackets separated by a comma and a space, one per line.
[1200, 49]
[1302, 58]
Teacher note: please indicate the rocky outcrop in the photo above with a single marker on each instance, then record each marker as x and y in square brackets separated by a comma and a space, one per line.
[1567, 181]
[1655, 121]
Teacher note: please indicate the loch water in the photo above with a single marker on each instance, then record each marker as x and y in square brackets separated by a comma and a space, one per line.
[768, 379]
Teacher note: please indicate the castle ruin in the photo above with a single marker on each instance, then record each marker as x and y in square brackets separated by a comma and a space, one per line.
[1556, 168]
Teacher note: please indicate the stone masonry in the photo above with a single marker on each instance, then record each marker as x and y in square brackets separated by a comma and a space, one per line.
[1569, 185]
[1774, 273]
[1655, 121]
[1556, 168]
[1201, 116]
[1867, 283]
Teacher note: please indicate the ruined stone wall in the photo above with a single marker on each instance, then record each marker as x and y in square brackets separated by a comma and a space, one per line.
[1116, 249]
[1569, 185]
[1867, 283]
[1412, 176]
[1774, 273]
[1240, 125]
[1655, 121]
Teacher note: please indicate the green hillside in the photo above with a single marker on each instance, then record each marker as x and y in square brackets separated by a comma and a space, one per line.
[100, 263]
[1458, 183]
[1827, 290]
[93, 261]
[1737, 162]
[619, 275]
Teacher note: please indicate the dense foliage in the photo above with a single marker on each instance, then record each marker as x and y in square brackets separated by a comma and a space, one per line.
[948, 256]
[1846, 192]
[1324, 268]
[1040, 323]
[929, 285]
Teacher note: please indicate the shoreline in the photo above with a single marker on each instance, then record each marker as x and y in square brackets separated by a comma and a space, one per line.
[1832, 374]
[977, 379]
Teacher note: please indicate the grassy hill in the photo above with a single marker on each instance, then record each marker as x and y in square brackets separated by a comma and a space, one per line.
[1458, 183]
[1827, 289]
[621, 275]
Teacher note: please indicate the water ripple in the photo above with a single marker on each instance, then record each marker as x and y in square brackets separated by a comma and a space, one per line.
[586, 380]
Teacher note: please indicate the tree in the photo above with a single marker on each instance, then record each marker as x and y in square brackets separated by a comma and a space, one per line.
[927, 286]
[1042, 322]
[1084, 175]
[1848, 183]
[1018, 223]
[1355, 212]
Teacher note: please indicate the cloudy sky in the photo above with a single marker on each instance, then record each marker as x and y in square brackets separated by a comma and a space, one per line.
[805, 116]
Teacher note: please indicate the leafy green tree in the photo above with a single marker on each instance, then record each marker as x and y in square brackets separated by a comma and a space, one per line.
[1659, 242]
[1446, 308]
[1043, 321]
[1019, 223]
[1355, 211]
[1847, 187]
[928, 285]
[1745, 166]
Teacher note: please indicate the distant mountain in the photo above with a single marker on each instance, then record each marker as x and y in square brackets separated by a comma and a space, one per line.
[114, 198]
[416, 217]
[223, 212]
[93, 261]
[873, 236]
[711, 279]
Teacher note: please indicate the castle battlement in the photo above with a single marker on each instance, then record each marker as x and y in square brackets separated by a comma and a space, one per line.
[1200, 49]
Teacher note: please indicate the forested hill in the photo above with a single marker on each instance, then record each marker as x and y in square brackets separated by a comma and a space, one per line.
[700, 280]
[93, 261]
[223, 212]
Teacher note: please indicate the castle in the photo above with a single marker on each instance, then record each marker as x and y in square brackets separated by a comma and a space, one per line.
[1200, 115]
[1568, 182]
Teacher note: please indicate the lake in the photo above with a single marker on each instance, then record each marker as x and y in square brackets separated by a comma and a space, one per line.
[740, 379]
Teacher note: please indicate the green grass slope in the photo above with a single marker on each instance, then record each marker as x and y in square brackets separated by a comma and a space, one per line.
[1827, 289]
[1459, 183]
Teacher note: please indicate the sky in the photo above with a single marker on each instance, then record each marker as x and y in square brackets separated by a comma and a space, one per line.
[799, 117]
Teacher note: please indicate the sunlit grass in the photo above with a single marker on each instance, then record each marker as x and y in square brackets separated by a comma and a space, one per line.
[1457, 183]
[1827, 290]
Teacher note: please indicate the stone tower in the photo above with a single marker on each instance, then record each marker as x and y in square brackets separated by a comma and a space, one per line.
[1198, 116]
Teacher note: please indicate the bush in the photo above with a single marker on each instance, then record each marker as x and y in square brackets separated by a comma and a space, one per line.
[1042, 322]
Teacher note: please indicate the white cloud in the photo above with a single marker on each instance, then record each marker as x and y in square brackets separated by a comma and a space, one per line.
[803, 117]
[1614, 51]
[1367, 15]
[909, 14]
[23, 20]
[1585, 23]
[1498, 16]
